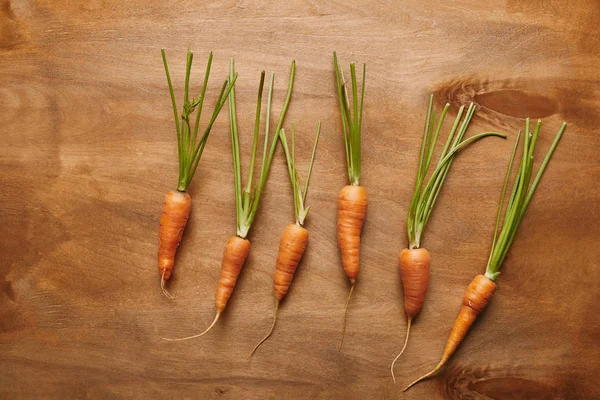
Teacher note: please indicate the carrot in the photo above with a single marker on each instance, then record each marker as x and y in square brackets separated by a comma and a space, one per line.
[247, 199]
[295, 236]
[175, 214]
[177, 204]
[415, 261]
[352, 202]
[480, 290]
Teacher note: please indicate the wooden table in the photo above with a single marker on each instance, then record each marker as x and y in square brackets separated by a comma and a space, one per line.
[88, 152]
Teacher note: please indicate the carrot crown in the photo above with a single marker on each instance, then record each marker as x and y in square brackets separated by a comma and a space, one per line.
[425, 195]
[247, 200]
[520, 196]
[351, 118]
[189, 148]
[300, 211]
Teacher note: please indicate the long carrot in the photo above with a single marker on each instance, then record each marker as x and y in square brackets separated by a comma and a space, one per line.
[352, 201]
[415, 260]
[177, 204]
[246, 200]
[295, 236]
[480, 290]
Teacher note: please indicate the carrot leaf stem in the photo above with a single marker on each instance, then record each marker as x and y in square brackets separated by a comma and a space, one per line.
[300, 210]
[189, 149]
[521, 196]
[426, 192]
[352, 117]
[247, 199]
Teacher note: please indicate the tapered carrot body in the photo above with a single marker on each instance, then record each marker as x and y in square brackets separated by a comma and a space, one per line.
[291, 248]
[414, 271]
[352, 209]
[476, 297]
[175, 214]
[235, 254]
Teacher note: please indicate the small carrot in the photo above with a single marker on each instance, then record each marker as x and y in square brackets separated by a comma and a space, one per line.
[177, 204]
[246, 200]
[415, 261]
[295, 236]
[480, 290]
[352, 201]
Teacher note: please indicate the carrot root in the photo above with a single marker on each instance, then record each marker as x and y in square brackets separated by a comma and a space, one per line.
[162, 286]
[409, 321]
[270, 331]
[353, 283]
[426, 376]
[218, 314]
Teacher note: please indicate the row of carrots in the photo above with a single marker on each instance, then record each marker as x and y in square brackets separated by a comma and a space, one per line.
[414, 260]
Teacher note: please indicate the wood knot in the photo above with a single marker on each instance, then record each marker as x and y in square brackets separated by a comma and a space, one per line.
[10, 30]
[498, 99]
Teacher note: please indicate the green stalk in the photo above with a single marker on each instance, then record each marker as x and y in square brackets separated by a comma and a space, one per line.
[247, 201]
[426, 193]
[312, 160]
[300, 211]
[352, 118]
[188, 152]
[339, 79]
[201, 98]
[235, 148]
[247, 192]
[520, 198]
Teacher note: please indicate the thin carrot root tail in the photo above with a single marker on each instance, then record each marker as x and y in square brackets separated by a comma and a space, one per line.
[270, 331]
[218, 314]
[428, 375]
[403, 348]
[352, 284]
[162, 286]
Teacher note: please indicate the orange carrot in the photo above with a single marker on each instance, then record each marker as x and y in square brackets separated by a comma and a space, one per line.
[478, 294]
[352, 203]
[234, 256]
[291, 248]
[414, 271]
[175, 214]
[481, 289]
[295, 236]
[177, 205]
[414, 263]
[352, 209]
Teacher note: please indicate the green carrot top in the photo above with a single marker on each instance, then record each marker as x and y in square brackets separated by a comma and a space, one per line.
[424, 198]
[247, 200]
[351, 117]
[520, 197]
[189, 148]
[300, 211]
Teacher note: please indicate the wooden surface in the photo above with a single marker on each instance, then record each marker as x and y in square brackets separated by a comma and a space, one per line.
[88, 152]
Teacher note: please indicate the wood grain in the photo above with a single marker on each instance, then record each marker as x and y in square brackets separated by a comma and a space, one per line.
[88, 152]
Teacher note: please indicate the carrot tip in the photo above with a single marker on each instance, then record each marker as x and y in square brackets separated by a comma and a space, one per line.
[401, 351]
[162, 286]
[426, 376]
[353, 283]
[268, 334]
[199, 334]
